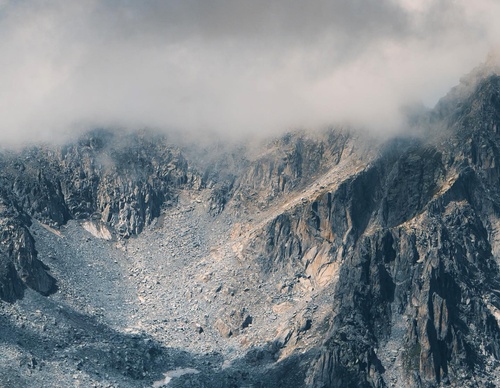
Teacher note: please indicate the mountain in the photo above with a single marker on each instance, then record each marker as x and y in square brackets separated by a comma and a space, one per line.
[327, 259]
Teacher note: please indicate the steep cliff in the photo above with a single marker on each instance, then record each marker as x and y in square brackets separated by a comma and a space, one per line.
[413, 239]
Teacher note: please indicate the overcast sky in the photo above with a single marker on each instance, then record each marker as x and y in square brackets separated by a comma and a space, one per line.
[232, 66]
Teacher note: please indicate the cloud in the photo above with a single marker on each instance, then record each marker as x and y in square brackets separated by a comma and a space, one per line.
[234, 67]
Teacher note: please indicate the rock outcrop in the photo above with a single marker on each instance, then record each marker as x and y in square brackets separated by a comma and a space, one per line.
[19, 265]
[121, 180]
[413, 238]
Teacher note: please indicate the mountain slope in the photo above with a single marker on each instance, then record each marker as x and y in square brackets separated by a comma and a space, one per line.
[322, 260]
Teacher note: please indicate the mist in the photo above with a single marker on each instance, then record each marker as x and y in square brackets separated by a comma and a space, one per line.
[231, 67]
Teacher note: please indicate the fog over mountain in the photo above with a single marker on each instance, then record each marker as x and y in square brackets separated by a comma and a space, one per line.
[219, 194]
[234, 67]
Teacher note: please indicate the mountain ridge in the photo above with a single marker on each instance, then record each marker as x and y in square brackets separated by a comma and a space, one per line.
[327, 260]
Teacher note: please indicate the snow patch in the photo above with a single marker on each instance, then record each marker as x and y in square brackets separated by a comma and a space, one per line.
[172, 374]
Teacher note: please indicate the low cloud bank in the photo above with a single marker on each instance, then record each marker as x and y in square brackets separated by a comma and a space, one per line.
[230, 67]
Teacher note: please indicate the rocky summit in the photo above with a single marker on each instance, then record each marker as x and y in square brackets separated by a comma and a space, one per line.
[323, 259]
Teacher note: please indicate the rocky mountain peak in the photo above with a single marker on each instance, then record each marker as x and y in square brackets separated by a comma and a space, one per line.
[320, 260]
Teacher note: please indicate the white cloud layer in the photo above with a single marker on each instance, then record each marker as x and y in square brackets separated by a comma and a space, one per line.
[230, 66]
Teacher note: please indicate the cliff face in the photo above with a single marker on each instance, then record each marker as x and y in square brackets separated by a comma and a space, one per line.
[120, 180]
[123, 180]
[390, 252]
[413, 238]
[290, 163]
[18, 257]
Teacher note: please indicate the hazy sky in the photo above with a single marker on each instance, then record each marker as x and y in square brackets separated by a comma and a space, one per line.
[234, 66]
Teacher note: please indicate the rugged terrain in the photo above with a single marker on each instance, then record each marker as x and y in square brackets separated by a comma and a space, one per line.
[313, 260]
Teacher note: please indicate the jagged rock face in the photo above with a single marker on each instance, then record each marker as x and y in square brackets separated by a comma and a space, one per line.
[18, 258]
[412, 237]
[121, 180]
[125, 181]
[400, 242]
[289, 164]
